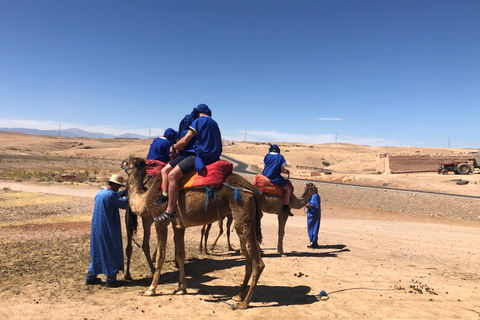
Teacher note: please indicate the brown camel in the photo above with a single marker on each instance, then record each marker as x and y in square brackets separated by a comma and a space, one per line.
[206, 230]
[192, 211]
[131, 225]
[274, 204]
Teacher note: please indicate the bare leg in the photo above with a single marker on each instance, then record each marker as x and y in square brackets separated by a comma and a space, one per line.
[173, 188]
[165, 171]
[288, 193]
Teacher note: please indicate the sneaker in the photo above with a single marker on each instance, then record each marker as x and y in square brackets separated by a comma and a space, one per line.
[286, 209]
[161, 200]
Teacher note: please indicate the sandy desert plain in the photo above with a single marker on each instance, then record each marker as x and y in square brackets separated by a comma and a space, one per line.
[384, 253]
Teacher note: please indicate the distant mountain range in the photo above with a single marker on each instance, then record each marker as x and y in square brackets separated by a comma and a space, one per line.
[73, 133]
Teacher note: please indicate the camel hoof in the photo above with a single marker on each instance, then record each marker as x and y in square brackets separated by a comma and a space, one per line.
[180, 292]
[241, 305]
[238, 297]
[149, 293]
[127, 277]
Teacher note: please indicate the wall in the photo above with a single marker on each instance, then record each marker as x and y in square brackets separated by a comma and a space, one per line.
[406, 163]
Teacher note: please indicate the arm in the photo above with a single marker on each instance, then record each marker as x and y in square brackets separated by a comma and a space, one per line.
[118, 201]
[182, 143]
[284, 170]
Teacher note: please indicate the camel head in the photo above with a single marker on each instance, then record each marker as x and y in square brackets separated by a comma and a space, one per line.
[311, 188]
[133, 163]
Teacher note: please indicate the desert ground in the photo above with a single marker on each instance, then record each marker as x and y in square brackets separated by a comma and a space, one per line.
[384, 253]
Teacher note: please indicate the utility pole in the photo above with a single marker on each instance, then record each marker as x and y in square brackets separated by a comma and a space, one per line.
[245, 135]
[60, 130]
[149, 132]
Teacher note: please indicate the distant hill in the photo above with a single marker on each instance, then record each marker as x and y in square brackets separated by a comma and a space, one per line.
[73, 133]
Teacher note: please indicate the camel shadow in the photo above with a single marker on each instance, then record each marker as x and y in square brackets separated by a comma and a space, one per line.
[335, 250]
[199, 278]
[268, 296]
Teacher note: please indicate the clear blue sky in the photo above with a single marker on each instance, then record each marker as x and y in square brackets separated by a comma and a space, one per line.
[380, 73]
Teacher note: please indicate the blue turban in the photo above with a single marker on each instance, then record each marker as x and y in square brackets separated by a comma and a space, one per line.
[171, 135]
[274, 148]
[203, 108]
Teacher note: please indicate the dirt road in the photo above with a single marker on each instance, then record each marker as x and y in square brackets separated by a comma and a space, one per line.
[374, 264]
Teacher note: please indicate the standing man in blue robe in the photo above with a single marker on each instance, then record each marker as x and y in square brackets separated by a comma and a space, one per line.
[160, 147]
[274, 167]
[106, 249]
[314, 215]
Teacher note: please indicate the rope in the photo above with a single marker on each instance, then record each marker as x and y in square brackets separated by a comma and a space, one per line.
[209, 193]
[238, 196]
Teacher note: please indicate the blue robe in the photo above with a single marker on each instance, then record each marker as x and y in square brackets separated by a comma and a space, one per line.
[314, 216]
[273, 168]
[106, 249]
[160, 150]
[207, 142]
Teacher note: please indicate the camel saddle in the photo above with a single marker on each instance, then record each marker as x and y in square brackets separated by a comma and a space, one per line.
[213, 175]
[154, 167]
[268, 187]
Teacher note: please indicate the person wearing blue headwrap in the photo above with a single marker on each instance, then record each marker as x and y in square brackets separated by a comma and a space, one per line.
[160, 147]
[314, 215]
[274, 167]
[202, 145]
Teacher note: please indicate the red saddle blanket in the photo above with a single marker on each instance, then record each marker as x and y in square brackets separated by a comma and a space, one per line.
[213, 175]
[269, 187]
[154, 167]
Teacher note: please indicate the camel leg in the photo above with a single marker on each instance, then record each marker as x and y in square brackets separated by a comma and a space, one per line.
[179, 238]
[229, 225]
[282, 221]
[147, 230]
[128, 253]
[253, 269]
[220, 232]
[162, 232]
[204, 238]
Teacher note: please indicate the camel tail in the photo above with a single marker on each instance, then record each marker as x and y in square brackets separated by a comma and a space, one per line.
[258, 218]
[131, 222]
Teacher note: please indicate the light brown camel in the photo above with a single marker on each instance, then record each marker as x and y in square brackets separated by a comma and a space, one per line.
[131, 225]
[192, 211]
[274, 204]
[206, 230]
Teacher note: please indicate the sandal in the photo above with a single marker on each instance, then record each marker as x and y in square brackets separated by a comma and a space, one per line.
[165, 217]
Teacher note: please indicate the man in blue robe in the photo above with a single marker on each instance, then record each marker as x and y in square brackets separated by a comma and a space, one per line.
[106, 249]
[203, 146]
[160, 147]
[274, 167]
[314, 215]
